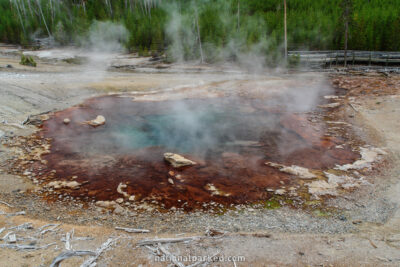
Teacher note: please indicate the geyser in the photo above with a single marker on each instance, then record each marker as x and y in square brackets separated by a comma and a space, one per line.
[230, 138]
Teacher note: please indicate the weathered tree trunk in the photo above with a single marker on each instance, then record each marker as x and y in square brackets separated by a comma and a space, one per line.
[346, 33]
[285, 26]
[30, 7]
[198, 34]
[44, 19]
[19, 15]
[238, 16]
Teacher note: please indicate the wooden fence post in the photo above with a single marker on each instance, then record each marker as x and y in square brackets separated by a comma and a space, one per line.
[370, 58]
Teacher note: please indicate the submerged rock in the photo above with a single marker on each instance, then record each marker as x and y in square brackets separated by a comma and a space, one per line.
[100, 120]
[120, 188]
[64, 184]
[368, 156]
[302, 172]
[178, 161]
[215, 191]
[321, 187]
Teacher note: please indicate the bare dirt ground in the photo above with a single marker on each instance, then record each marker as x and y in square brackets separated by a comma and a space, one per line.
[364, 232]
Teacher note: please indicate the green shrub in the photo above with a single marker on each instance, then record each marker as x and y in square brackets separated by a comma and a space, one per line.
[27, 61]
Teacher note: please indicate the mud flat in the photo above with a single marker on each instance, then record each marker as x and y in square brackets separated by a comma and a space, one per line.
[348, 215]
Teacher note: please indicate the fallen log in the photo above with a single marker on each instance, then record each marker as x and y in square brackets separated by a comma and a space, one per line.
[25, 247]
[132, 230]
[146, 242]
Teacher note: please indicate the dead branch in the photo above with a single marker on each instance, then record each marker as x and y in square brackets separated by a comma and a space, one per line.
[44, 226]
[69, 254]
[214, 232]
[132, 230]
[84, 238]
[372, 243]
[13, 124]
[170, 256]
[352, 106]
[13, 214]
[145, 242]
[6, 235]
[5, 203]
[51, 229]
[68, 237]
[23, 226]
[99, 251]
[152, 249]
[25, 247]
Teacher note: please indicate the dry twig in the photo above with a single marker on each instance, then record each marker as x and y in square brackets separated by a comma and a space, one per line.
[99, 251]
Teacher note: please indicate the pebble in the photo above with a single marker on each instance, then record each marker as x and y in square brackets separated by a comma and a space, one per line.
[119, 210]
[66, 121]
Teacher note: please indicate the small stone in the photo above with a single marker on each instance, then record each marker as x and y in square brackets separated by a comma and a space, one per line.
[119, 210]
[66, 121]
[106, 204]
[132, 198]
[100, 120]
[170, 181]
[280, 191]
[119, 200]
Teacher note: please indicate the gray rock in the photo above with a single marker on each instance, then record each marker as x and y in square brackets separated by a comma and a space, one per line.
[177, 161]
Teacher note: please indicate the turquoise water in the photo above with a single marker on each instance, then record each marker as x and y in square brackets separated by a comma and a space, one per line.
[191, 131]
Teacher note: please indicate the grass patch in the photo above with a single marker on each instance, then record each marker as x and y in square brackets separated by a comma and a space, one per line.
[272, 204]
[27, 61]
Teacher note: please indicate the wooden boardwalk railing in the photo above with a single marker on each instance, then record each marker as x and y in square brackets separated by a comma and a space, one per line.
[328, 59]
